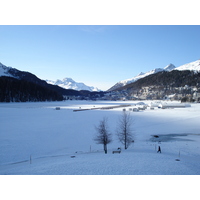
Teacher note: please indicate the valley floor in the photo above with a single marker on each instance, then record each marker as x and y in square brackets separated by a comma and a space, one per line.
[38, 139]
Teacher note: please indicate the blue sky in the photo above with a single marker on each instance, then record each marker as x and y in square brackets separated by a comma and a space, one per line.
[98, 55]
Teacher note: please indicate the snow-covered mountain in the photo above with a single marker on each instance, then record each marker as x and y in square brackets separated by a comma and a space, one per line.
[169, 67]
[69, 83]
[4, 70]
[195, 66]
[142, 75]
[66, 83]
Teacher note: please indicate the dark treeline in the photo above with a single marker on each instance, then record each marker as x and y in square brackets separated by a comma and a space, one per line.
[174, 78]
[14, 90]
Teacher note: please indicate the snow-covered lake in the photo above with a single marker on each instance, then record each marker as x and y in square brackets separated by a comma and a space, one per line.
[38, 139]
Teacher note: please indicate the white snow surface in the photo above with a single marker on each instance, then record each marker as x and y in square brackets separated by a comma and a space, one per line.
[4, 70]
[139, 76]
[195, 66]
[38, 139]
[69, 83]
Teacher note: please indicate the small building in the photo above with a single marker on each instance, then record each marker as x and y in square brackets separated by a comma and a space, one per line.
[174, 105]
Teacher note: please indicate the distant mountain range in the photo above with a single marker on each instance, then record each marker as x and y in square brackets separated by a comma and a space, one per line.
[66, 83]
[20, 86]
[193, 66]
[179, 82]
[69, 83]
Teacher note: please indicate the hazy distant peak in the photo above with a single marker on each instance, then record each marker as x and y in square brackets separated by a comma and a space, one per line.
[69, 83]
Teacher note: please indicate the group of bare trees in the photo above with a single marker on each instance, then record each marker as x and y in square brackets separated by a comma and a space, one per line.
[124, 131]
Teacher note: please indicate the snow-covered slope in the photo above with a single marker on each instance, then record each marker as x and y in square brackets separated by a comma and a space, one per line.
[169, 67]
[66, 83]
[4, 71]
[69, 83]
[195, 66]
[142, 75]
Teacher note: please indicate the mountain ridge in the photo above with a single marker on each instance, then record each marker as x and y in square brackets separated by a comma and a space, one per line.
[141, 75]
[18, 86]
[69, 83]
[192, 66]
[182, 82]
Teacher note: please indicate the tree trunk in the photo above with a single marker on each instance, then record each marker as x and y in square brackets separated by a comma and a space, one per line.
[105, 148]
[125, 134]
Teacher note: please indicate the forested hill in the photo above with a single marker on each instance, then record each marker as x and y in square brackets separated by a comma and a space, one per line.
[14, 90]
[20, 86]
[174, 78]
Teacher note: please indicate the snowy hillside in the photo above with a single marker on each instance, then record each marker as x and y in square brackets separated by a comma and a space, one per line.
[169, 68]
[4, 70]
[195, 66]
[69, 83]
[66, 83]
[142, 75]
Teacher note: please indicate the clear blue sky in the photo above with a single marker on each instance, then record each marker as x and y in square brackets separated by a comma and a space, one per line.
[99, 55]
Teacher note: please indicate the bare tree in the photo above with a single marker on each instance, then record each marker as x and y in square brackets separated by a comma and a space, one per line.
[124, 131]
[103, 135]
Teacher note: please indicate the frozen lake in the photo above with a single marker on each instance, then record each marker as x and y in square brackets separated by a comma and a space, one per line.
[38, 139]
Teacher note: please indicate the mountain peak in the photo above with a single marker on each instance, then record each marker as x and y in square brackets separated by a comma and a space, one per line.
[4, 70]
[68, 79]
[169, 67]
[155, 70]
[141, 73]
[69, 83]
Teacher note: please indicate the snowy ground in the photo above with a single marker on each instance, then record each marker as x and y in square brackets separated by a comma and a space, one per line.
[37, 139]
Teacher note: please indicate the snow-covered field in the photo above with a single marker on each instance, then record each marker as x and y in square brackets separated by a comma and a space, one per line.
[38, 139]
